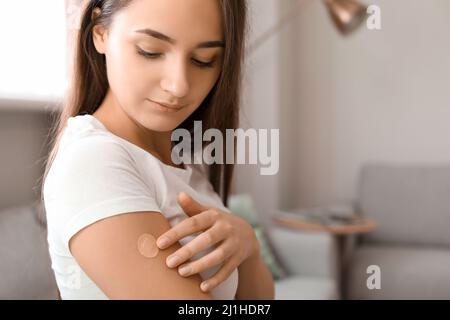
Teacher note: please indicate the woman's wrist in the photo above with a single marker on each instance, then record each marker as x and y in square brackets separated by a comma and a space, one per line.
[255, 253]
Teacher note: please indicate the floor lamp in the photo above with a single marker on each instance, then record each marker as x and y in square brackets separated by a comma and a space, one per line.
[347, 16]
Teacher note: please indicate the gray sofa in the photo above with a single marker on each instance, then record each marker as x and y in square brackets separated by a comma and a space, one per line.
[411, 204]
[25, 262]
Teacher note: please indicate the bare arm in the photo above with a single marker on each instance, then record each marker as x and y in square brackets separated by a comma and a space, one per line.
[107, 252]
[255, 280]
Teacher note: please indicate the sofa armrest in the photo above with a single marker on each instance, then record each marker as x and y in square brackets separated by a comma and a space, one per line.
[305, 253]
[25, 264]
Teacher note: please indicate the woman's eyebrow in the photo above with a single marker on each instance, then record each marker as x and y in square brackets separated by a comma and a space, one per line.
[160, 36]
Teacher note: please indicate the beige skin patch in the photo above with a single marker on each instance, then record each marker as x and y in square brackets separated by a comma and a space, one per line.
[147, 246]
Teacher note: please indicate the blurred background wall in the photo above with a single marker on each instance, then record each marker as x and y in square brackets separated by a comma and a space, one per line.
[376, 95]
[22, 136]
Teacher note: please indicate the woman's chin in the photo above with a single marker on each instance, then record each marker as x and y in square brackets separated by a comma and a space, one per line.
[161, 126]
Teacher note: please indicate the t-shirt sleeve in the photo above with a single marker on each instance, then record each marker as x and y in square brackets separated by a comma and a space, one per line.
[97, 178]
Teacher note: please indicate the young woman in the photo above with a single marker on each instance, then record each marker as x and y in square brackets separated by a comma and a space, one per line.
[142, 69]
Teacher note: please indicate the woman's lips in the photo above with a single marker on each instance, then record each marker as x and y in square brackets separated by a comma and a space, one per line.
[163, 108]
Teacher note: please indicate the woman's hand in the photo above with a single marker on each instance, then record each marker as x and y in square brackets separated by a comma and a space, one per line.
[239, 241]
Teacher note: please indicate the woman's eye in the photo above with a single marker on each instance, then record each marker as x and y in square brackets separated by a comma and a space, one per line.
[149, 55]
[152, 55]
[202, 64]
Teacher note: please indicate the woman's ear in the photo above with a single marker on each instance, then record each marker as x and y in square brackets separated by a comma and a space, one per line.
[98, 33]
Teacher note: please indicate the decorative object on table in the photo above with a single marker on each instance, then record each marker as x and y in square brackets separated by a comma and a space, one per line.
[328, 215]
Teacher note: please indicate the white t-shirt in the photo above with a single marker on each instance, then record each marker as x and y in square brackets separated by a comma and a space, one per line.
[96, 175]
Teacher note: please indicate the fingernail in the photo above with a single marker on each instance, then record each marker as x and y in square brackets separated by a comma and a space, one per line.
[184, 270]
[204, 286]
[162, 242]
[173, 261]
[184, 196]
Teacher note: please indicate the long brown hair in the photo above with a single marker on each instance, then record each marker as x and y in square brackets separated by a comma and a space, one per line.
[89, 84]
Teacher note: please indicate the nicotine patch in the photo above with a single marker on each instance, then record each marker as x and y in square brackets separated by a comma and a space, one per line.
[147, 246]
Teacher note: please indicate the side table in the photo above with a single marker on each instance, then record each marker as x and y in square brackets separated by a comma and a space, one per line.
[341, 232]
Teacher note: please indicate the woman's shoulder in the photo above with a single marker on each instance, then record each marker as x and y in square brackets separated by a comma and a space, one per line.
[86, 138]
[89, 161]
[83, 148]
[92, 150]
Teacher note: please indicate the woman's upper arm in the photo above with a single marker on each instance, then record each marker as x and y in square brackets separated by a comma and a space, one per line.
[107, 251]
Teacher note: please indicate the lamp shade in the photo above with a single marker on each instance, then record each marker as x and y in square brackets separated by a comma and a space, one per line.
[347, 15]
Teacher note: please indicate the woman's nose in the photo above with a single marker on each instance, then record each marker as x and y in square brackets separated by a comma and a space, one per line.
[176, 80]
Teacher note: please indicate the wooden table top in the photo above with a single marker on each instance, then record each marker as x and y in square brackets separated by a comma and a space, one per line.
[361, 225]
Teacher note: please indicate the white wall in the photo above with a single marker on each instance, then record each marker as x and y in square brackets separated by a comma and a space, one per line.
[260, 95]
[343, 101]
[374, 96]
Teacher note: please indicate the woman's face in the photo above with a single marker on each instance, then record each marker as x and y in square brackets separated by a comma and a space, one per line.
[166, 51]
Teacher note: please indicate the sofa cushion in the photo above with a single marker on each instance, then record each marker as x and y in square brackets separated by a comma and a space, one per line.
[306, 288]
[25, 261]
[406, 272]
[411, 204]
[305, 253]
[242, 205]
